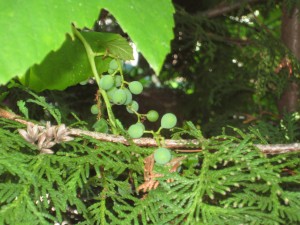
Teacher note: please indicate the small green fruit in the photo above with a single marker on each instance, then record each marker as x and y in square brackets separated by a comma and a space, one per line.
[110, 71]
[101, 126]
[106, 82]
[133, 106]
[136, 130]
[168, 121]
[162, 156]
[135, 87]
[128, 97]
[113, 65]
[110, 93]
[118, 80]
[152, 115]
[119, 97]
[94, 109]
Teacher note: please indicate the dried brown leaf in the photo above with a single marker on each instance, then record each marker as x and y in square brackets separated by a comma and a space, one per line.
[150, 177]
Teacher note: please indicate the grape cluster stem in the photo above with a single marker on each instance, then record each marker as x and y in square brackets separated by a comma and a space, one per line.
[91, 57]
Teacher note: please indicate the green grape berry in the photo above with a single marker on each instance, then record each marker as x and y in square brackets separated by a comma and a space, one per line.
[106, 82]
[133, 106]
[136, 130]
[110, 93]
[128, 96]
[101, 126]
[110, 71]
[162, 156]
[135, 87]
[119, 97]
[94, 109]
[118, 80]
[113, 65]
[168, 121]
[142, 125]
[152, 115]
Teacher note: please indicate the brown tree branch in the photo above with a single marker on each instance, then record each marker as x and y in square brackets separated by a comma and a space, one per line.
[230, 40]
[187, 145]
[223, 9]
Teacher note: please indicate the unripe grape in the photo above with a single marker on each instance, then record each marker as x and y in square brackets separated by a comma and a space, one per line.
[135, 87]
[162, 155]
[128, 97]
[141, 125]
[152, 115]
[119, 97]
[110, 71]
[136, 130]
[106, 82]
[133, 106]
[110, 93]
[113, 65]
[168, 121]
[101, 126]
[118, 80]
[94, 109]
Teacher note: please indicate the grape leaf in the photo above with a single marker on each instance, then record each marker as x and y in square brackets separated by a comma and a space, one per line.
[69, 65]
[30, 29]
[113, 44]
[149, 24]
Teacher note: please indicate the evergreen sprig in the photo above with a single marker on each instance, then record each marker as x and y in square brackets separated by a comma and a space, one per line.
[87, 181]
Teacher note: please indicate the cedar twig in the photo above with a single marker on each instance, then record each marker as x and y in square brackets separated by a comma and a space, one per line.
[230, 40]
[226, 8]
[260, 23]
[188, 144]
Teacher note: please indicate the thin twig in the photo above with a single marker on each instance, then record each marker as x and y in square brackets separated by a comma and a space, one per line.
[223, 9]
[186, 145]
[230, 40]
[260, 23]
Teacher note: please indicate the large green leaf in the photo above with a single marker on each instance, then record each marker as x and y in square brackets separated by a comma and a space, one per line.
[69, 65]
[30, 29]
[149, 24]
[110, 43]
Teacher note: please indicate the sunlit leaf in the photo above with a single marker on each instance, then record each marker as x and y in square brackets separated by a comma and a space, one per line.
[149, 24]
[69, 65]
[30, 29]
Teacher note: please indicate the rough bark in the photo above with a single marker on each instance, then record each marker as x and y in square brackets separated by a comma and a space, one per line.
[289, 99]
[290, 36]
[290, 30]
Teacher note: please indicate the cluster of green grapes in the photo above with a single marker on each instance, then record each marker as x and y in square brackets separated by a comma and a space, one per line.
[120, 92]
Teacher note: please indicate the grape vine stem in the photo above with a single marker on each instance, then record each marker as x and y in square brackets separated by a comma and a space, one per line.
[186, 145]
[91, 57]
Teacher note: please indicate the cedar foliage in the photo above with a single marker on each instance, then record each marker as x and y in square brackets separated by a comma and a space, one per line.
[235, 55]
[87, 181]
